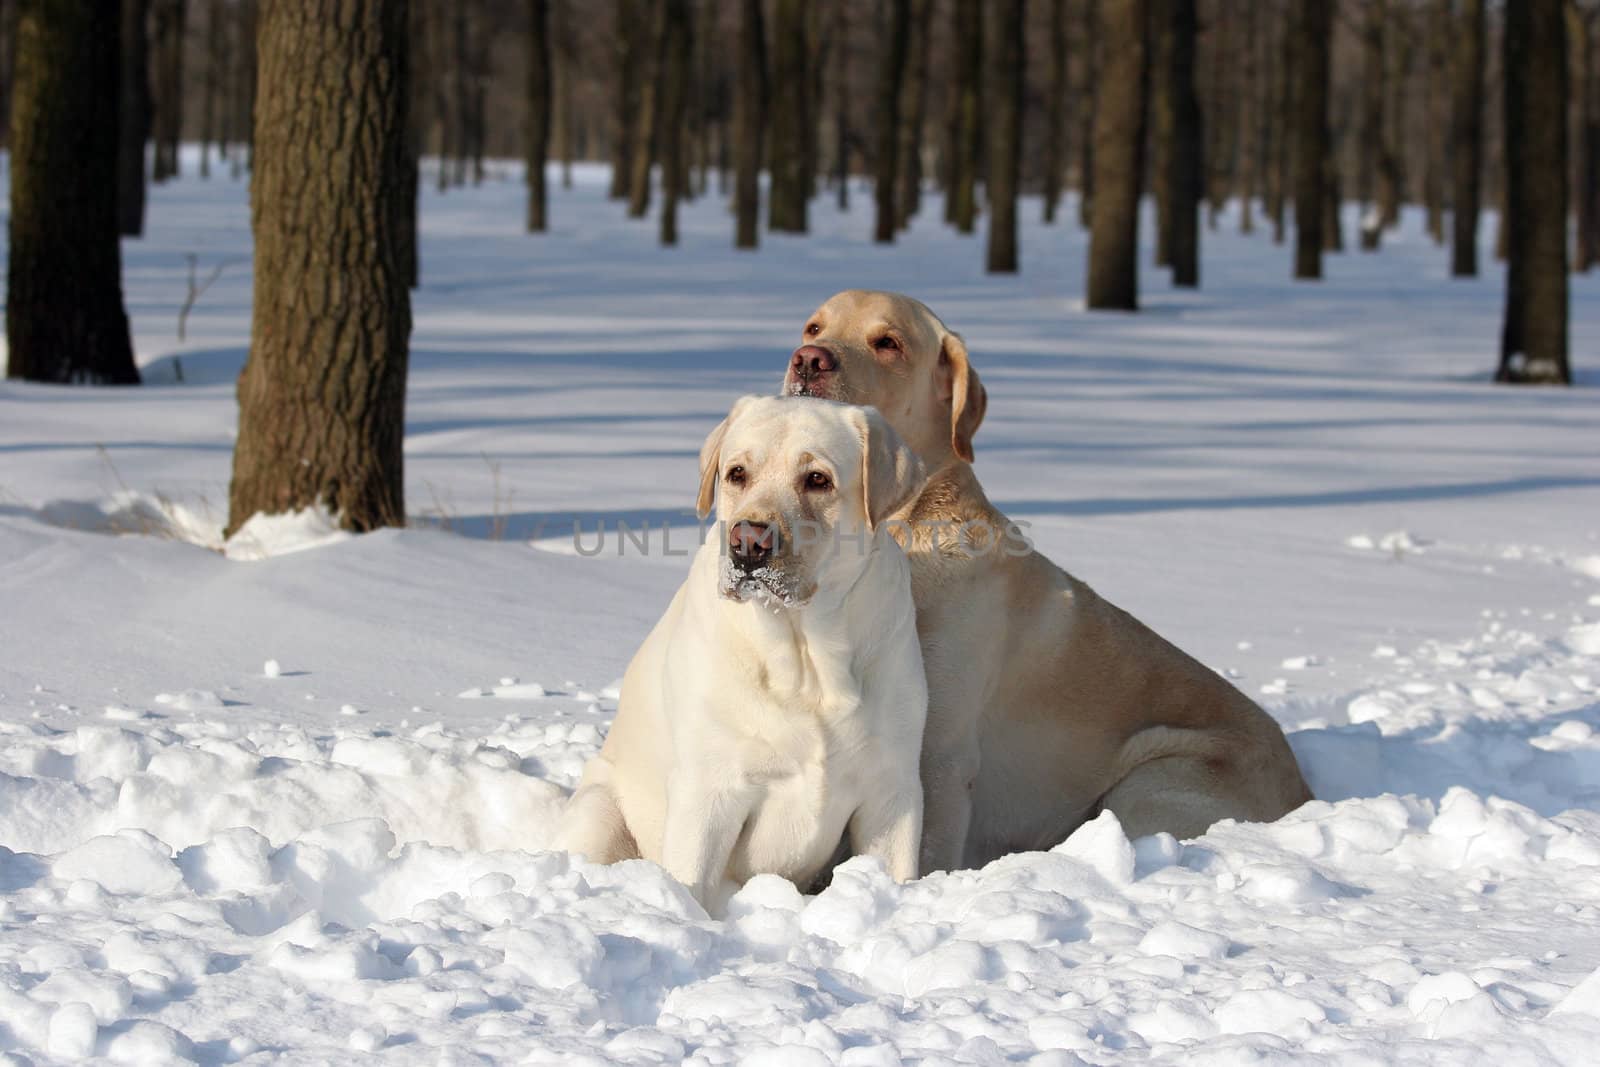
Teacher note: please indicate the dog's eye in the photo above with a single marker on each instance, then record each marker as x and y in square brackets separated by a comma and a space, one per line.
[886, 344]
[735, 475]
[818, 482]
[814, 329]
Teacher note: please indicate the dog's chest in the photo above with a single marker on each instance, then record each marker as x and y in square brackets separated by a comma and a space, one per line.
[807, 790]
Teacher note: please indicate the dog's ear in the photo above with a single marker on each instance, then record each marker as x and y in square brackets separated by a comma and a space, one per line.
[968, 398]
[891, 473]
[711, 458]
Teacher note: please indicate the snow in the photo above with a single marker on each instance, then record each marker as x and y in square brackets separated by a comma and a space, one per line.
[285, 799]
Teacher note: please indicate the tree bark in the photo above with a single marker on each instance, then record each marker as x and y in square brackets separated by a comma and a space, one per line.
[322, 396]
[65, 320]
[891, 72]
[1113, 281]
[1005, 143]
[1533, 344]
[749, 125]
[539, 107]
[786, 197]
[1313, 28]
[1467, 136]
[133, 99]
[966, 124]
[674, 100]
[1185, 172]
[1055, 120]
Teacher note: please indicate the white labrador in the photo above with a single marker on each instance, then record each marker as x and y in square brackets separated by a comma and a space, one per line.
[778, 705]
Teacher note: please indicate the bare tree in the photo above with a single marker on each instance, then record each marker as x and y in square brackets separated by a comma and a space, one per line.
[1313, 29]
[167, 127]
[674, 101]
[1373, 131]
[913, 108]
[538, 145]
[133, 99]
[645, 123]
[64, 316]
[1055, 120]
[964, 126]
[891, 71]
[627, 31]
[749, 123]
[322, 403]
[1005, 140]
[1113, 281]
[790, 116]
[1466, 126]
[1185, 174]
[1533, 343]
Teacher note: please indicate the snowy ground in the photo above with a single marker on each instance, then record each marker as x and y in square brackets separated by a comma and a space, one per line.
[292, 809]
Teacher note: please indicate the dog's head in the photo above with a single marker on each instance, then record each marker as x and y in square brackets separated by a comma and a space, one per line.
[800, 487]
[889, 351]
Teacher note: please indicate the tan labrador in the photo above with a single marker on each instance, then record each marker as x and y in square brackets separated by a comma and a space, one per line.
[1047, 704]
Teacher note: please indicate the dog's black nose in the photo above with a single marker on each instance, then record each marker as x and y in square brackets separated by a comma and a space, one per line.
[751, 543]
[812, 361]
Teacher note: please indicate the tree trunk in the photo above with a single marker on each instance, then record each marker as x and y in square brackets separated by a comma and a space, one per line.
[1055, 120]
[1391, 169]
[212, 83]
[8, 65]
[913, 111]
[133, 99]
[1283, 96]
[1161, 123]
[1005, 141]
[64, 316]
[322, 396]
[891, 72]
[562, 117]
[749, 124]
[967, 118]
[170, 17]
[1247, 168]
[674, 98]
[1586, 127]
[245, 91]
[1373, 68]
[538, 110]
[786, 198]
[1118, 158]
[1185, 172]
[1219, 132]
[626, 31]
[1332, 199]
[409, 209]
[1466, 151]
[1438, 124]
[645, 123]
[1313, 28]
[1533, 347]
[1088, 100]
